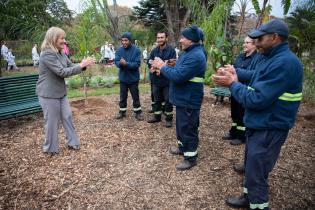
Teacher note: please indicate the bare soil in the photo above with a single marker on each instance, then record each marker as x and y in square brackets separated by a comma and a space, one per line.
[126, 165]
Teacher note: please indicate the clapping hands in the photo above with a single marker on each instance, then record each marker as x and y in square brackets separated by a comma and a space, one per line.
[158, 63]
[225, 76]
[123, 62]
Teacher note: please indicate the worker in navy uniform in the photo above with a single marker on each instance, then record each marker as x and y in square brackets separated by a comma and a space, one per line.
[271, 102]
[237, 130]
[186, 93]
[160, 83]
[128, 60]
[244, 76]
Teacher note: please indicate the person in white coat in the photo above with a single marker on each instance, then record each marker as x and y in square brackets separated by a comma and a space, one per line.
[35, 55]
[111, 53]
[10, 60]
[105, 52]
[4, 53]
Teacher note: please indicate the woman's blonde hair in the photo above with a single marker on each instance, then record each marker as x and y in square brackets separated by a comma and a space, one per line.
[51, 38]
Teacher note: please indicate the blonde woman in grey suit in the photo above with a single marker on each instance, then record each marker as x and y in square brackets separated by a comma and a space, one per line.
[54, 66]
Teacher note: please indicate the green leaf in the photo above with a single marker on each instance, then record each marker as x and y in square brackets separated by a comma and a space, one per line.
[286, 6]
[256, 6]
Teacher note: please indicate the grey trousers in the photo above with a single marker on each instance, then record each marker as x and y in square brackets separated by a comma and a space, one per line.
[56, 110]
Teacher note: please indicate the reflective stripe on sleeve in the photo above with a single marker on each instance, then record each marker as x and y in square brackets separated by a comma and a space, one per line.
[291, 97]
[197, 79]
[123, 109]
[158, 112]
[286, 96]
[234, 124]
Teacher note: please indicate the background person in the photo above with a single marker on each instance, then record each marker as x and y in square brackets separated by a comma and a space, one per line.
[66, 49]
[244, 60]
[11, 60]
[35, 55]
[111, 54]
[4, 54]
[54, 66]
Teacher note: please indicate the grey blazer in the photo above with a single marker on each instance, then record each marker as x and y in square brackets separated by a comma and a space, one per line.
[53, 68]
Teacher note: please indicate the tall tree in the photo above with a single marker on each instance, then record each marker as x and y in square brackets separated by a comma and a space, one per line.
[242, 11]
[109, 18]
[151, 13]
[29, 18]
[177, 16]
[302, 25]
[172, 15]
[266, 8]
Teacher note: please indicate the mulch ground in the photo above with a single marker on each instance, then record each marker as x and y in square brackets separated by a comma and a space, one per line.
[126, 165]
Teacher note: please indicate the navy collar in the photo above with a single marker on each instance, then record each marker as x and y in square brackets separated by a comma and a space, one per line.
[129, 46]
[191, 47]
[276, 49]
[251, 55]
[166, 47]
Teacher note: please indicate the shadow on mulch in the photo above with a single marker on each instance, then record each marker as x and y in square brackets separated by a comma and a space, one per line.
[126, 165]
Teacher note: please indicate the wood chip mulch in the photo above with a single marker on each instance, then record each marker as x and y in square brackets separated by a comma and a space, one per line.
[126, 165]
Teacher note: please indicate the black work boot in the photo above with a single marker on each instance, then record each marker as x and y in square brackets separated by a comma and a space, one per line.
[239, 168]
[155, 119]
[237, 202]
[236, 142]
[139, 116]
[185, 165]
[74, 147]
[168, 124]
[120, 115]
[228, 136]
[176, 151]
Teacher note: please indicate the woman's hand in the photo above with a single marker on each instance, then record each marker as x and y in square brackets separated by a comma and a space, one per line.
[87, 62]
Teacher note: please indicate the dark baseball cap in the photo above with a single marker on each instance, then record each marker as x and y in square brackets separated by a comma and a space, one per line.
[272, 26]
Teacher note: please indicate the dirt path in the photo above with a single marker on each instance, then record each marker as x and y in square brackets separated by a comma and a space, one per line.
[126, 165]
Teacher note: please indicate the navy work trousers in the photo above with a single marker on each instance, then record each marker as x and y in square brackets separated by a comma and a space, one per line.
[261, 154]
[187, 124]
[161, 94]
[134, 90]
[237, 113]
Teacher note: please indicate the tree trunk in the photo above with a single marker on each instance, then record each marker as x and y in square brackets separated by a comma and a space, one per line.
[262, 14]
[113, 18]
[177, 18]
[241, 27]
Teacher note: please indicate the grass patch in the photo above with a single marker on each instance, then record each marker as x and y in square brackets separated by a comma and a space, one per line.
[74, 93]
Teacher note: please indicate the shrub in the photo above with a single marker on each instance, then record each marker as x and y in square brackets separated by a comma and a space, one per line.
[96, 81]
[309, 84]
[74, 81]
